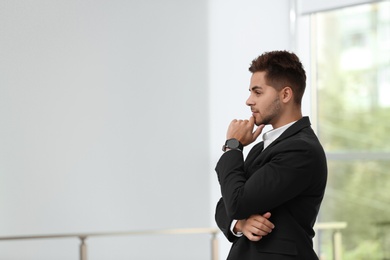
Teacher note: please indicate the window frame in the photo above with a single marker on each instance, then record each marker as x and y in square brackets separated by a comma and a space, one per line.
[303, 24]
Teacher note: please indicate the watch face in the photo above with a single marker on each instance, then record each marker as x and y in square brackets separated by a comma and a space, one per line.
[232, 143]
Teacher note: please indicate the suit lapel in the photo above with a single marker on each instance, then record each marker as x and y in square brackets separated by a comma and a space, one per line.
[253, 155]
[292, 130]
[256, 158]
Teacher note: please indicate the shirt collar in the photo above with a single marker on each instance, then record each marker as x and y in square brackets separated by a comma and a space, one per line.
[273, 134]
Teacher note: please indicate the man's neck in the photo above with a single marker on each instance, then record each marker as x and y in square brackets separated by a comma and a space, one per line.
[287, 118]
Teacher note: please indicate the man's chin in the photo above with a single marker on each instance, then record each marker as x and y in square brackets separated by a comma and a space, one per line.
[262, 122]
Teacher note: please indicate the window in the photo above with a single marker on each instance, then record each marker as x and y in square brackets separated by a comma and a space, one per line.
[351, 55]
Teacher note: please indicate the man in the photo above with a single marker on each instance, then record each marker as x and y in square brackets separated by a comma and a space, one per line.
[271, 200]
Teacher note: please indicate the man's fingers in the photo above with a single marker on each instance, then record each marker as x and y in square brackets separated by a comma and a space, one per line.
[265, 220]
[257, 226]
[261, 230]
[267, 215]
[261, 222]
[258, 131]
[252, 237]
[252, 120]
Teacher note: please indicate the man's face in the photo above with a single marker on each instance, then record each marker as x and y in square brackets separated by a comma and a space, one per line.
[263, 100]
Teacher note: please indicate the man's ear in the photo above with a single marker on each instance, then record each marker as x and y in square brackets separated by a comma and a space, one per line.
[286, 94]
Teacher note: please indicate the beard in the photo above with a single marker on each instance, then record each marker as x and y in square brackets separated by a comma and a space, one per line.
[270, 113]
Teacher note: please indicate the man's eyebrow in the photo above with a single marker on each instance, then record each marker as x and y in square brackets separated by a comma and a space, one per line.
[255, 88]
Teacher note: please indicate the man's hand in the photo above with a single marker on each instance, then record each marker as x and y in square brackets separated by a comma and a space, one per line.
[242, 130]
[255, 227]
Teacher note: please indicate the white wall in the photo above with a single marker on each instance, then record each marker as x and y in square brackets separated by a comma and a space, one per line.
[104, 125]
[113, 114]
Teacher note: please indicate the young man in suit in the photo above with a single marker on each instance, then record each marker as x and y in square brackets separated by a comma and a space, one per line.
[271, 199]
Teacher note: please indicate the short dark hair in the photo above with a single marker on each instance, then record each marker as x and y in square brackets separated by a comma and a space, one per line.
[282, 69]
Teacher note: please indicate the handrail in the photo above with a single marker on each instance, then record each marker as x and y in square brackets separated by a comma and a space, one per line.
[122, 233]
[83, 236]
[336, 237]
[334, 226]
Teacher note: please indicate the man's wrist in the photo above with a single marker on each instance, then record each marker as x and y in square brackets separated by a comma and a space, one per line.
[234, 229]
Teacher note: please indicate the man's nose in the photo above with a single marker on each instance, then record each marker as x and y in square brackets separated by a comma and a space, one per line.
[249, 102]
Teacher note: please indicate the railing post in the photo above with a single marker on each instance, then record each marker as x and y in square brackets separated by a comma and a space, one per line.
[337, 245]
[83, 248]
[214, 246]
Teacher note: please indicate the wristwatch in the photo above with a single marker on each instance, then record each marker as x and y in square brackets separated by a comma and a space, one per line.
[232, 144]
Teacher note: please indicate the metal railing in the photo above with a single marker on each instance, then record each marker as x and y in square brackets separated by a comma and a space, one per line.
[336, 227]
[83, 237]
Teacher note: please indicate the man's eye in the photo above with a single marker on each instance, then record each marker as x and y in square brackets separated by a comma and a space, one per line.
[258, 93]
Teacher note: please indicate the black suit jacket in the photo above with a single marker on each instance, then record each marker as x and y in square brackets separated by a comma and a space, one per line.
[287, 179]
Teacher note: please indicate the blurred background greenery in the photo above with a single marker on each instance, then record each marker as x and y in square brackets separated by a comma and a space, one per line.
[353, 110]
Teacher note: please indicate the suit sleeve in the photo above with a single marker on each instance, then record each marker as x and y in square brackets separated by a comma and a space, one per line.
[223, 221]
[286, 175]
